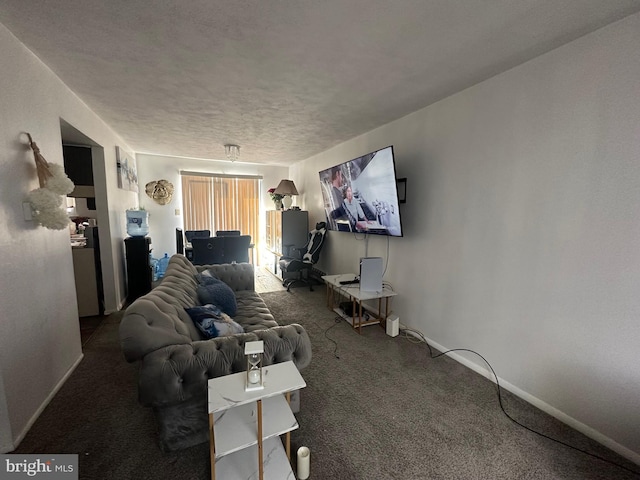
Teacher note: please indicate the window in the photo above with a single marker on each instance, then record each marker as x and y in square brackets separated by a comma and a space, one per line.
[221, 202]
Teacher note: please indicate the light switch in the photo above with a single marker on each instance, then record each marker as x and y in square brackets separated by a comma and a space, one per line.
[177, 210]
[26, 211]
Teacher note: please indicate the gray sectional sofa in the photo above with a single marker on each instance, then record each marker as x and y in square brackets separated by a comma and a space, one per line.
[175, 361]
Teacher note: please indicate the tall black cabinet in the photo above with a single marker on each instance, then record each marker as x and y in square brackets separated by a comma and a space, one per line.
[285, 229]
[139, 273]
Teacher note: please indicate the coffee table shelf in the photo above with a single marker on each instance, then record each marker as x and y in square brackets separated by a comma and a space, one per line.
[236, 417]
[243, 464]
[357, 297]
[239, 424]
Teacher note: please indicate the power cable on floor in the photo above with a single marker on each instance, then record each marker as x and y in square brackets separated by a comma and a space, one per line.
[337, 320]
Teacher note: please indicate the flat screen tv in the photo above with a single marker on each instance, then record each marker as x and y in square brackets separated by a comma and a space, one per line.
[361, 195]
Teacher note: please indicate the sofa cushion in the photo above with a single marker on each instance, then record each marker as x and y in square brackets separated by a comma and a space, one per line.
[253, 313]
[212, 322]
[220, 294]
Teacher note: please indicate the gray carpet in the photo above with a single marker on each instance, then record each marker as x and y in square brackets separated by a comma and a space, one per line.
[375, 407]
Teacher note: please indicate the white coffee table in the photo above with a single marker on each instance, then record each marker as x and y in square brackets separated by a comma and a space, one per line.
[244, 426]
[357, 297]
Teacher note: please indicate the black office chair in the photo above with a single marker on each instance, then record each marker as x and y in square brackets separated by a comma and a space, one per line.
[308, 256]
[208, 251]
[227, 233]
[179, 241]
[236, 248]
[191, 234]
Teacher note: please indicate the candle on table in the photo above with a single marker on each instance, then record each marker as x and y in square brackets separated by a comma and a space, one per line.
[304, 456]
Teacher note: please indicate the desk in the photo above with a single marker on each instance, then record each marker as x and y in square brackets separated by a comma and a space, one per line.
[356, 296]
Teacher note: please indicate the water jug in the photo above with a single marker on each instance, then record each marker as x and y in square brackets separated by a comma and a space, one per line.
[162, 265]
[137, 223]
[154, 267]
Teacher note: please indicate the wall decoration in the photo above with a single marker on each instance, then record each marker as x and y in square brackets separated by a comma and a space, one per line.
[46, 201]
[161, 191]
[127, 173]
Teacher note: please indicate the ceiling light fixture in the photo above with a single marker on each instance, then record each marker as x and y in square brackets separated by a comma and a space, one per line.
[232, 151]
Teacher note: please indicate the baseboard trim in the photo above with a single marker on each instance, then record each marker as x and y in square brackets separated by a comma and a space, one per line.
[123, 302]
[46, 402]
[536, 402]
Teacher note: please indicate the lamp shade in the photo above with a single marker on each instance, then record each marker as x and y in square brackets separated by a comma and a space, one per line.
[286, 187]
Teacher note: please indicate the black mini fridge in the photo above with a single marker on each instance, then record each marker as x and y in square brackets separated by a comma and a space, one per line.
[139, 272]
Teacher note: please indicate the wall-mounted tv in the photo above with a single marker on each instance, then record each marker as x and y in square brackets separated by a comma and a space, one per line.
[361, 195]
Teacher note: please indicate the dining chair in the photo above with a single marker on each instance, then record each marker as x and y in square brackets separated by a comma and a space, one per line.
[208, 251]
[179, 241]
[191, 234]
[236, 248]
[227, 233]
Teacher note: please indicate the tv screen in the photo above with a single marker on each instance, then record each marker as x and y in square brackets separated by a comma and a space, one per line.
[361, 195]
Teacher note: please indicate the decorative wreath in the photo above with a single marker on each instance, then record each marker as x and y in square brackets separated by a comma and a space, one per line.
[161, 191]
[46, 201]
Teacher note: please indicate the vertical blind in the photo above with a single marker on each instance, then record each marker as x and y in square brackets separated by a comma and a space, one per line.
[222, 202]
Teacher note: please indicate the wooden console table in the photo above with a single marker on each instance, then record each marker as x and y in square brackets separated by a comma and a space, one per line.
[357, 297]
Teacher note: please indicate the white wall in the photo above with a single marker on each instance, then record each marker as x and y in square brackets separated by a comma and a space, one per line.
[522, 228]
[39, 330]
[162, 218]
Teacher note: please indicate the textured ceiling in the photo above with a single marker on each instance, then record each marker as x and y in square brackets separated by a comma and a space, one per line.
[284, 79]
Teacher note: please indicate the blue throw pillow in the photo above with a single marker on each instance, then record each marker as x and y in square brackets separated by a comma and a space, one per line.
[212, 322]
[227, 326]
[203, 318]
[219, 294]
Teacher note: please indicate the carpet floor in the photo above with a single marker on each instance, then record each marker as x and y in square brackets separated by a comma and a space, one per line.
[375, 408]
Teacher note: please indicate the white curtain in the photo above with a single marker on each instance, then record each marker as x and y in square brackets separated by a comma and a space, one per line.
[212, 202]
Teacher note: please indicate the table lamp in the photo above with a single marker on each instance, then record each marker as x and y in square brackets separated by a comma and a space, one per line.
[286, 188]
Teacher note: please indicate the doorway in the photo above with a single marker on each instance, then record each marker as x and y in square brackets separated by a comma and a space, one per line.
[83, 230]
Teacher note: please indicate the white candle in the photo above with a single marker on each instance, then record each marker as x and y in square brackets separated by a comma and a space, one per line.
[304, 457]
